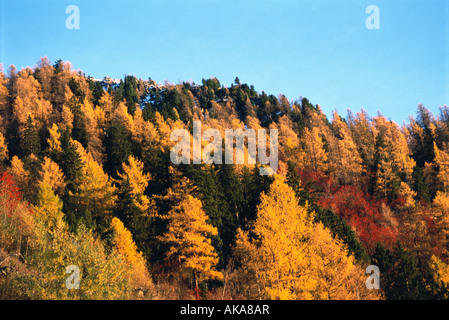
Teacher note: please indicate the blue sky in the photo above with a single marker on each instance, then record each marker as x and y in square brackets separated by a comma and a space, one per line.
[319, 49]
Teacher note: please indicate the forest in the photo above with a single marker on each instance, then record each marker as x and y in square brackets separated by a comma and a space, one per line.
[86, 180]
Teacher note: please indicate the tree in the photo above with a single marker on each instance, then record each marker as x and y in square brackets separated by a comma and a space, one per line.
[16, 218]
[95, 193]
[392, 158]
[118, 148]
[54, 139]
[70, 161]
[20, 175]
[52, 175]
[3, 150]
[30, 139]
[442, 163]
[253, 185]
[188, 235]
[289, 256]
[49, 206]
[125, 245]
[135, 209]
[408, 282]
[210, 192]
[344, 156]
[363, 213]
[441, 276]
[137, 180]
[364, 135]
[314, 154]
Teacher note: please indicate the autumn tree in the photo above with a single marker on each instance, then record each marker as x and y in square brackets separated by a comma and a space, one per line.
[188, 235]
[118, 148]
[18, 172]
[30, 139]
[123, 241]
[52, 175]
[442, 164]
[134, 207]
[3, 150]
[49, 206]
[288, 252]
[345, 160]
[314, 155]
[95, 194]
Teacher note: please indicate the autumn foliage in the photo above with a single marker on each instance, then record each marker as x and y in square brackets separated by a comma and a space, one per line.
[364, 214]
[86, 180]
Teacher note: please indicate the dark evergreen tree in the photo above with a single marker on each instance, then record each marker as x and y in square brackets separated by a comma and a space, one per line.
[400, 278]
[118, 148]
[141, 224]
[97, 92]
[419, 185]
[79, 130]
[71, 165]
[253, 184]
[210, 192]
[30, 140]
[342, 230]
[130, 93]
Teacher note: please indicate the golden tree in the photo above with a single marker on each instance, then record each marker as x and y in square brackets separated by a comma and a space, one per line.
[49, 207]
[291, 257]
[95, 193]
[3, 150]
[137, 181]
[123, 241]
[189, 238]
[20, 175]
[442, 162]
[344, 156]
[51, 174]
[314, 155]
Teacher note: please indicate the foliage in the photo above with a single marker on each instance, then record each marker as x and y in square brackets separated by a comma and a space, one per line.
[86, 179]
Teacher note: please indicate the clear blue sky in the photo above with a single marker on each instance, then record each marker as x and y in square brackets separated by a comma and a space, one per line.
[319, 49]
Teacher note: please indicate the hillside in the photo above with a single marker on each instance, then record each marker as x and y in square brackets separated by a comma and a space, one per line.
[86, 180]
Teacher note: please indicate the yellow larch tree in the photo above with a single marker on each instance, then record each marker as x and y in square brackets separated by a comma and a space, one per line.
[290, 257]
[441, 216]
[314, 156]
[123, 241]
[96, 191]
[120, 115]
[94, 143]
[52, 175]
[67, 118]
[364, 135]
[20, 175]
[394, 161]
[164, 130]
[3, 100]
[28, 100]
[3, 150]
[345, 160]
[188, 235]
[277, 254]
[54, 143]
[49, 206]
[145, 133]
[288, 139]
[442, 163]
[137, 181]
